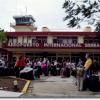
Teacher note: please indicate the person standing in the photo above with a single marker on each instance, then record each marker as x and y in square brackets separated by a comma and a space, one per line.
[87, 71]
[19, 65]
[80, 63]
[79, 76]
[87, 66]
[48, 65]
[63, 69]
[68, 68]
[37, 68]
[55, 67]
[39, 63]
[73, 68]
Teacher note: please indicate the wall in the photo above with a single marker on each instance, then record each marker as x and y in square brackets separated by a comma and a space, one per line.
[17, 55]
[45, 29]
[80, 39]
[87, 29]
[23, 29]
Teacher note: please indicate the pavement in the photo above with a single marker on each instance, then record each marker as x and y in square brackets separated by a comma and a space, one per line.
[56, 87]
[52, 87]
[6, 94]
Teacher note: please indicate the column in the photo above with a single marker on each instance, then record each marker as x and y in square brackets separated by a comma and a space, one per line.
[29, 39]
[20, 39]
[24, 39]
[50, 39]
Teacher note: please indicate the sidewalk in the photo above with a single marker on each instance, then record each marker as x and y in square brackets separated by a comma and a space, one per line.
[6, 94]
[55, 86]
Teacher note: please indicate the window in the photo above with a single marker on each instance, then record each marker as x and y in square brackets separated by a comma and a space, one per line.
[18, 20]
[67, 39]
[34, 41]
[91, 40]
[41, 39]
[54, 40]
[12, 40]
[29, 37]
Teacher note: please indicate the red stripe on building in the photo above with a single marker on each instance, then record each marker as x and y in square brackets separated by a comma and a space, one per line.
[52, 33]
[25, 24]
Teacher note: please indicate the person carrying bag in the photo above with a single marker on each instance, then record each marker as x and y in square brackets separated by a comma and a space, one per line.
[19, 65]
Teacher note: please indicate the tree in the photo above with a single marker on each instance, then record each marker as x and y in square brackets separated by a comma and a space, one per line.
[97, 27]
[80, 11]
[2, 37]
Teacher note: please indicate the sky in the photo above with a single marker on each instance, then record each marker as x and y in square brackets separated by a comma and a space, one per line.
[46, 13]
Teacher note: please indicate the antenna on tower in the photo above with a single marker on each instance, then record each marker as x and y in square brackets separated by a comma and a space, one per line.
[26, 10]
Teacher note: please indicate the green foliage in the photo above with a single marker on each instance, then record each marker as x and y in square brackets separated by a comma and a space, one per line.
[79, 11]
[2, 35]
[97, 27]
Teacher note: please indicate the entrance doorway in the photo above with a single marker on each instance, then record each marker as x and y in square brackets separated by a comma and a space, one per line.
[53, 56]
[50, 56]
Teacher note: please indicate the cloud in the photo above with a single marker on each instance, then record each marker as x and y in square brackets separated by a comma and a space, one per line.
[46, 12]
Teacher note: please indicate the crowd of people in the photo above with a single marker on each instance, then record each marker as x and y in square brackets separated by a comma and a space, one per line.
[65, 68]
[42, 66]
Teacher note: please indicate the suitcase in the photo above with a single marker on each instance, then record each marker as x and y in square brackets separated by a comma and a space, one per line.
[94, 84]
[86, 84]
[29, 75]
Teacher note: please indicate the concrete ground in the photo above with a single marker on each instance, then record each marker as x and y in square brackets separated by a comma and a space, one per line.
[55, 86]
[6, 94]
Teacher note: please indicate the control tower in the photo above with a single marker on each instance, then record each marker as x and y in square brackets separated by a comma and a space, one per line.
[24, 23]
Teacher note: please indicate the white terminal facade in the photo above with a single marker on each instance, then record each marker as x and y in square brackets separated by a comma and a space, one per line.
[27, 41]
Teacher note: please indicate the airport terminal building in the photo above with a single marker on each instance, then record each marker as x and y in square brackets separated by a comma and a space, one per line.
[28, 42]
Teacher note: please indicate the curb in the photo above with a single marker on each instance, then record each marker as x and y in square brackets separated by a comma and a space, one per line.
[26, 86]
[24, 90]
